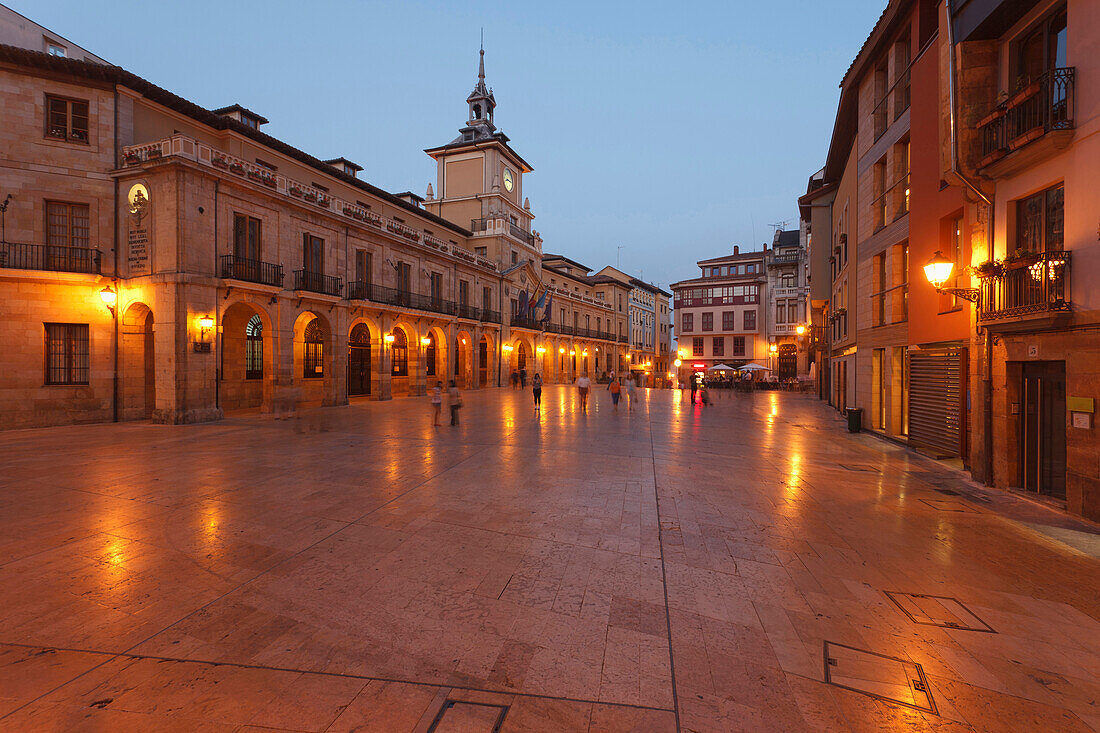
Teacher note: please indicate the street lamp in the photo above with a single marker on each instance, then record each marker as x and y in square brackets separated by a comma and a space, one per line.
[800, 329]
[388, 338]
[938, 270]
[110, 297]
[678, 362]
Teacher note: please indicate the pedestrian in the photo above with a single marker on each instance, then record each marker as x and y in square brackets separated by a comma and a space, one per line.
[694, 388]
[615, 389]
[536, 390]
[583, 383]
[631, 394]
[523, 378]
[455, 399]
[515, 379]
[704, 394]
[437, 402]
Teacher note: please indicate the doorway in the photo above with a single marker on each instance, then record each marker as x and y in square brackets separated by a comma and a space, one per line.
[788, 362]
[1043, 428]
[359, 360]
[483, 362]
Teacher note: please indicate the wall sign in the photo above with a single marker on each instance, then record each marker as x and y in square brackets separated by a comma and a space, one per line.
[137, 237]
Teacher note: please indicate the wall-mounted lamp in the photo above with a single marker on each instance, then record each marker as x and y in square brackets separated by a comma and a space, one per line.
[507, 348]
[800, 329]
[202, 346]
[678, 362]
[938, 270]
[773, 348]
[572, 352]
[110, 297]
[541, 350]
[584, 353]
[561, 349]
[388, 338]
[425, 341]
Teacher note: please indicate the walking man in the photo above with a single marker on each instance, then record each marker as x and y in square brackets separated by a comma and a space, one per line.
[583, 383]
[615, 389]
[454, 397]
[631, 393]
[694, 388]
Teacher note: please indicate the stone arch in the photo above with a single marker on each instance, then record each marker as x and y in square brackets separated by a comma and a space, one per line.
[403, 357]
[313, 357]
[361, 343]
[137, 362]
[436, 356]
[486, 353]
[462, 359]
[247, 359]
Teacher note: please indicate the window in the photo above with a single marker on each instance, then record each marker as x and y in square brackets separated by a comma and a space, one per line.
[729, 320]
[513, 257]
[786, 280]
[487, 298]
[879, 205]
[697, 346]
[879, 298]
[708, 321]
[313, 254]
[246, 237]
[400, 349]
[435, 287]
[882, 88]
[738, 345]
[429, 356]
[687, 322]
[463, 293]
[902, 54]
[363, 262]
[66, 353]
[66, 224]
[792, 311]
[314, 352]
[1040, 220]
[55, 49]
[483, 251]
[254, 348]
[67, 119]
[404, 278]
[719, 346]
[780, 311]
[749, 320]
[1040, 50]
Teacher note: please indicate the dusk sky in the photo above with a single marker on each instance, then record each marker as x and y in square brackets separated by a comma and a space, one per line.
[673, 129]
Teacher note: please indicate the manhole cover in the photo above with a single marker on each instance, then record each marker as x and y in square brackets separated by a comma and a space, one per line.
[950, 613]
[950, 505]
[877, 675]
[468, 717]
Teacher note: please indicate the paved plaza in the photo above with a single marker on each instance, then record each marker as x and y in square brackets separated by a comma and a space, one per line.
[745, 566]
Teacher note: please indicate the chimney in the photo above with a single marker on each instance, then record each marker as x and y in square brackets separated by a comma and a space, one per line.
[736, 249]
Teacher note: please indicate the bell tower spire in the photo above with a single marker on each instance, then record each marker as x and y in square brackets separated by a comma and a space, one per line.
[481, 101]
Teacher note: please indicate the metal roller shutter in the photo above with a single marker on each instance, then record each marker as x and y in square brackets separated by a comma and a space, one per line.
[937, 412]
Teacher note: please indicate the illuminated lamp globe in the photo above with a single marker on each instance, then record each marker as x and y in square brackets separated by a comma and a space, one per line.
[938, 269]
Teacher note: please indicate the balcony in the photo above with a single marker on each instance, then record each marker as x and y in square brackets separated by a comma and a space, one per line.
[53, 258]
[1021, 291]
[253, 271]
[524, 236]
[359, 290]
[469, 312]
[517, 232]
[891, 204]
[490, 316]
[787, 258]
[524, 322]
[1042, 110]
[315, 282]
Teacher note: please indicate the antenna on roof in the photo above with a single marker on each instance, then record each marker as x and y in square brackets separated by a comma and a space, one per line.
[618, 258]
[779, 226]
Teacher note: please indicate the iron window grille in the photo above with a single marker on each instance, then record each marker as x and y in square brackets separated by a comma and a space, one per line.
[66, 353]
[254, 348]
[400, 350]
[314, 352]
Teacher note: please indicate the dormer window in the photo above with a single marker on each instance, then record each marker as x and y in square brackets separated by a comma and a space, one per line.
[246, 117]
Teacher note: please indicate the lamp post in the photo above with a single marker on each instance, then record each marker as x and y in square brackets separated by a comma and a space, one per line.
[938, 270]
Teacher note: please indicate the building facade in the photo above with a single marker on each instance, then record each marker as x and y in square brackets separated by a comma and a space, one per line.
[788, 292]
[648, 319]
[718, 315]
[176, 263]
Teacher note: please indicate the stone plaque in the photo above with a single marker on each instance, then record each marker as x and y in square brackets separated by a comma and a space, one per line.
[137, 239]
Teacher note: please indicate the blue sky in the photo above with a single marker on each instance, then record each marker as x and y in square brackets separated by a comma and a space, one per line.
[673, 129]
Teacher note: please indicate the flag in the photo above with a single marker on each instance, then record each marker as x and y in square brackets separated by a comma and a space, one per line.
[549, 307]
[523, 303]
[542, 299]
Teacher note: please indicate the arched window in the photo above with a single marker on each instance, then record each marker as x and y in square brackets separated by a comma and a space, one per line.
[429, 356]
[313, 356]
[254, 348]
[400, 354]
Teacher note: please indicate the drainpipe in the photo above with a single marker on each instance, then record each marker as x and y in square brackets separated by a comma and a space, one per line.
[218, 323]
[118, 303]
[987, 351]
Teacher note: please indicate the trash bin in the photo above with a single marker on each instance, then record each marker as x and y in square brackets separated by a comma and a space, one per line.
[855, 419]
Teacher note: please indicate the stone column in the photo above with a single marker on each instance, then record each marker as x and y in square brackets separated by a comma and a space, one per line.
[449, 362]
[385, 365]
[419, 376]
[475, 359]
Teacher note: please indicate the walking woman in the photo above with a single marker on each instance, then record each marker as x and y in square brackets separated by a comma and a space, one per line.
[583, 383]
[615, 389]
[437, 403]
[631, 395]
[536, 390]
[455, 399]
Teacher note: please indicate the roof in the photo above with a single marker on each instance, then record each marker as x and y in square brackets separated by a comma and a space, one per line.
[243, 110]
[345, 162]
[751, 254]
[751, 278]
[496, 138]
[787, 238]
[647, 286]
[606, 280]
[572, 276]
[117, 75]
[563, 258]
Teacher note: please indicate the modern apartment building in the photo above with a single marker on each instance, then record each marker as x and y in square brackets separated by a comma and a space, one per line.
[719, 315]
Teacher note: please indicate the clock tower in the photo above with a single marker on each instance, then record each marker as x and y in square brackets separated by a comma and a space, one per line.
[479, 184]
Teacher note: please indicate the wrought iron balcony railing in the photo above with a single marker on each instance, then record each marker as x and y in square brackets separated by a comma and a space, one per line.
[315, 282]
[253, 271]
[1034, 286]
[490, 316]
[50, 257]
[525, 322]
[1044, 105]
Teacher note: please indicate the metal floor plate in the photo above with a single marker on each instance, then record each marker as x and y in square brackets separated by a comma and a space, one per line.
[458, 716]
[943, 611]
[887, 678]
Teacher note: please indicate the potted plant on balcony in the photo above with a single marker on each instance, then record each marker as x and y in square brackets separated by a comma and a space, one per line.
[152, 153]
[219, 161]
[1025, 89]
[237, 168]
[1020, 258]
[296, 190]
[989, 268]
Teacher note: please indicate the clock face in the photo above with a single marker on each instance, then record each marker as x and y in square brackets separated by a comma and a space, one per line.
[508, 182]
